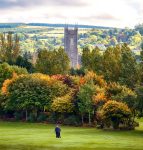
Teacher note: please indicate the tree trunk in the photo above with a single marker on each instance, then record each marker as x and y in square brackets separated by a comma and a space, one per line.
[82, 119]
[35, 112]
[134, 115]
[89, 117]
[95, 115]
[26, 115]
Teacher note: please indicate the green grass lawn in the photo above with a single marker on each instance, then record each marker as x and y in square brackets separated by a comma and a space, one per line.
[30, 136]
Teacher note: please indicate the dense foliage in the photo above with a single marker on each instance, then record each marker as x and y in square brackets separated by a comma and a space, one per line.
[106, 91]
[53, 62]
[58, 97]
[33, 36]
[9, 48]
[117, 64]
[31, 93]
[6, 72]
[115, 113]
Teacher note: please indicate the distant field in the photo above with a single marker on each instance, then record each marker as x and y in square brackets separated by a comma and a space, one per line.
[33, 37]
[30, 136]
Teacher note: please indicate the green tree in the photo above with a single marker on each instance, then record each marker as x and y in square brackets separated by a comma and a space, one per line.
[6, 72]
[111, 63]
[136, 39]
[119, 65]
[96, 60]
[139, 106]
[52, 62]
[85, 95]
[62, 104]
[141, 63]
[123, 94]
[32, 93]
[25, 63]
[86, 58]
[129, 72]
[92, 59]
[10, 48]
[61, 62]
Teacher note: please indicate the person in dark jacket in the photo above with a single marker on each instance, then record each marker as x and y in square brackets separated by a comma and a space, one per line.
[58, 131]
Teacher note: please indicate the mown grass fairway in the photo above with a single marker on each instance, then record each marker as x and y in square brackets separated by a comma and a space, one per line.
[30, 136]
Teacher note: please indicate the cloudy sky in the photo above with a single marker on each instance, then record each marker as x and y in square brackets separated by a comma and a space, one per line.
[114, 13]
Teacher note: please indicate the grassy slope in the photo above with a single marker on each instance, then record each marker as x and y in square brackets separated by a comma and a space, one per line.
[28, 136]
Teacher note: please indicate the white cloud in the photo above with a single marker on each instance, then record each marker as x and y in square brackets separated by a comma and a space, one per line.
[116, 13]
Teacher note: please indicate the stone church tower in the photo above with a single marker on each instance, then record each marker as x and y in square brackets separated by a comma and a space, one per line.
[70, 45]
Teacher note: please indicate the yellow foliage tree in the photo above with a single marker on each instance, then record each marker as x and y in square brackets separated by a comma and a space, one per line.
[62, 104]
[100, 98]
[96, 79]
[7, 82]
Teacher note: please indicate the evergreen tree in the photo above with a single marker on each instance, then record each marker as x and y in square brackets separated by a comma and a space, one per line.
[129, 73]
[111, 63]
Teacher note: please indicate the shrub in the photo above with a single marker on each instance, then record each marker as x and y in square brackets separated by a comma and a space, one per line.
[42, 117]
[121, 93]
[130, 126]
[18, 116]
[72, 120]
[31, 118]
[51, 118]
[116, 113]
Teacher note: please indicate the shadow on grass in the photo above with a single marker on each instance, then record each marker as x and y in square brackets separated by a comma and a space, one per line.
[32, 147]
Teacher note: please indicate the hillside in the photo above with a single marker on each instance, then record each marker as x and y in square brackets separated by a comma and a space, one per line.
[34, 36]
[13, 25]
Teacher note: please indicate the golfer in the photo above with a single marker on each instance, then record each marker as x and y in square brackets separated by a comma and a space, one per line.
[57, 131]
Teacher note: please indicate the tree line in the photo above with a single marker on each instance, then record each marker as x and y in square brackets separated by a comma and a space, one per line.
[105, 92]
[71, 100]
[117, 64]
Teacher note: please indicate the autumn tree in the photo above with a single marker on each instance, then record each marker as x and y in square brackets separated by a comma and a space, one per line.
[6, 72]
[31, 93]
[91, 77]
[115, 113]
[123, 94]
[63, 104]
